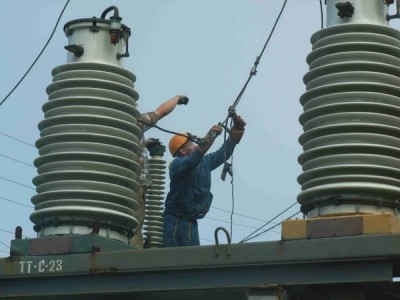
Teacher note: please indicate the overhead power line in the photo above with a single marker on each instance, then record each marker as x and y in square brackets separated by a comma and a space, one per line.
[10, 232]
[7, 231]
[16, 160]
[37, 58]
[268, 229]
[228, 222]
[4, 244]
[18, 140]
[16, 182]
[261, 227]
[16, 202]
[242, 215]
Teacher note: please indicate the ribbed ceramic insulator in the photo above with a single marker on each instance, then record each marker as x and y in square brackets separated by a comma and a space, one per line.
[89, 142]
[351, 122]
[153, 228]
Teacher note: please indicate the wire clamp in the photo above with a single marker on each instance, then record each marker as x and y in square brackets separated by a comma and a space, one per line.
[227, 169]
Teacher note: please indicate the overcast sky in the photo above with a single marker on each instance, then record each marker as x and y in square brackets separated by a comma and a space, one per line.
[201, 48]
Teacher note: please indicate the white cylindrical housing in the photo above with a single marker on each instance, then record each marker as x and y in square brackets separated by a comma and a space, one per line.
[94, 36]
[365, 12]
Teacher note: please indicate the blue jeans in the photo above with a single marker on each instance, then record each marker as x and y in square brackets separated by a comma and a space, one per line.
[179, 232]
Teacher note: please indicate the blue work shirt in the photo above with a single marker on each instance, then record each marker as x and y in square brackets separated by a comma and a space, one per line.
[190, 196]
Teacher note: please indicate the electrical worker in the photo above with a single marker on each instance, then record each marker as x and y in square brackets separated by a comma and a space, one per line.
[189, 198]
[145, 122]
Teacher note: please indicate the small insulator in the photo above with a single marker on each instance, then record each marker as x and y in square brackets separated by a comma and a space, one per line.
[155, 196]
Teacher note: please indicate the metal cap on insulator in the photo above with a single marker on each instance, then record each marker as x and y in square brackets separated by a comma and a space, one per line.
[155, 147]
[153, 229]
[97, 40]
[356, 12]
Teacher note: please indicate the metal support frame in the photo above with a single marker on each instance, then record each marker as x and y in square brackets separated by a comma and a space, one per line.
[195, 272]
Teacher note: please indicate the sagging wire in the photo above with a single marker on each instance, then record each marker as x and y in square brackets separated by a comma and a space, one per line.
[160, 128]
[37, 58]
[248, 237]
[189, 136]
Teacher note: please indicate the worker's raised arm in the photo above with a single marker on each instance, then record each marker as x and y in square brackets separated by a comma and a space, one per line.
[209, 139]
[217, 158]
[169, 105]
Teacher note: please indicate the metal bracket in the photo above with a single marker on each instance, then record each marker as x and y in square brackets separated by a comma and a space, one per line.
[127, 33]
[77, 50]
[228, 237]
[94, 27]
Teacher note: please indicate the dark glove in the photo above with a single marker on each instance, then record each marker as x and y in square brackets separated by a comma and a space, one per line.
[214, 132]
[236, 135]
[237, 130]
[238, 122]
[183, 100]
[209, 138]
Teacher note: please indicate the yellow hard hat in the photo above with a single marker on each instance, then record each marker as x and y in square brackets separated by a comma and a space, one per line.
[176, 142]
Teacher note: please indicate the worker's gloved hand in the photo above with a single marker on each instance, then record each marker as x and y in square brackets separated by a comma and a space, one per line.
[238, 122]
[237, 130]
[214, 132]
[183, 100]
[209, 138]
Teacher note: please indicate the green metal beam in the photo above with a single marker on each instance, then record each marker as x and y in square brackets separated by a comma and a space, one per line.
[351, 260]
